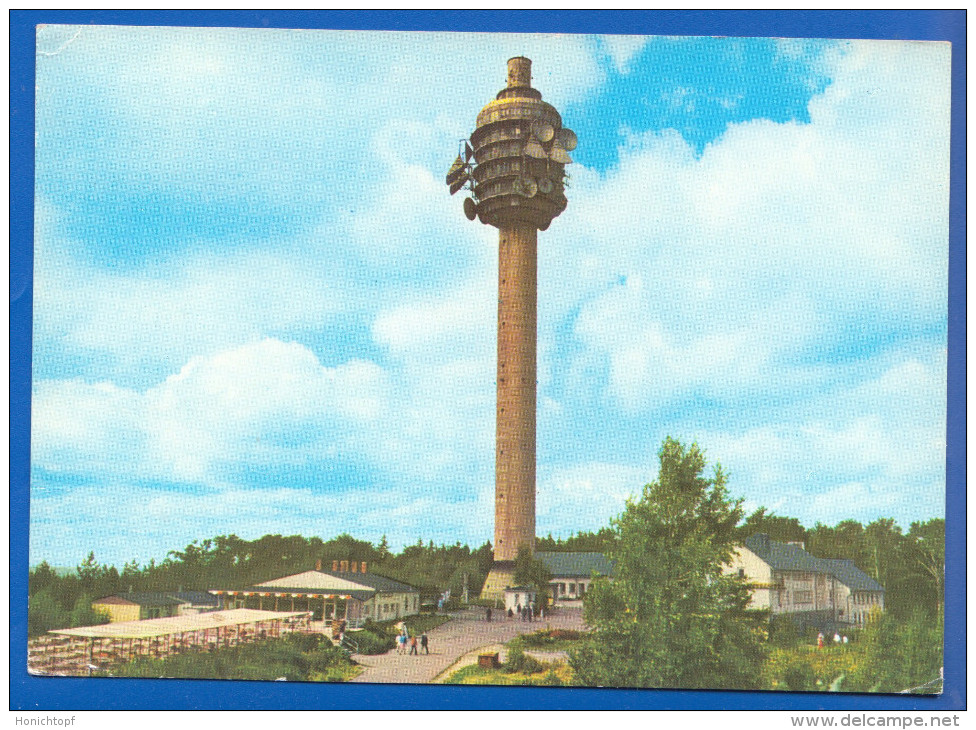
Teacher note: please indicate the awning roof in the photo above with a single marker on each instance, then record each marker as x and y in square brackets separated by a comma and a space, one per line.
[155, 627]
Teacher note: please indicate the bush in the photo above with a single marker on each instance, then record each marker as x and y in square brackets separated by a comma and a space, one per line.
[304, 642]
[369, 642]
[520, 662]
[800, 677]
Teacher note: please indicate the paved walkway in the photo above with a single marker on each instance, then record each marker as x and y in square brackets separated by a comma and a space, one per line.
[466, 632]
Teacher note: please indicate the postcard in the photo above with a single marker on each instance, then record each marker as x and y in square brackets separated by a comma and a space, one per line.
[489, 358]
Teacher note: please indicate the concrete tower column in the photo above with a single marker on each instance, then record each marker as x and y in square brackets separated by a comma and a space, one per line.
[516, 392]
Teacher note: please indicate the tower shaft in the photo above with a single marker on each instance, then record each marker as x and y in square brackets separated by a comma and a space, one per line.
[515, 416]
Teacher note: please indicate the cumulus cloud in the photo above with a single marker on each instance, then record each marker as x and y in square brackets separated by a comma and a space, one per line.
[779, 244]
[267, 403]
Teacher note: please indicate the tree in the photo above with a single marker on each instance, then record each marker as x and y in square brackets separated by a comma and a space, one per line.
[783, 529]
[84, 615]
[45, 613]
[927, 548]
[669, 616]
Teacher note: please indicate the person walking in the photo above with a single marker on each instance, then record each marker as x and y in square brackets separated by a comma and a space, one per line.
[413, 645]
[424, 643]
[488, 615]
[402, 639]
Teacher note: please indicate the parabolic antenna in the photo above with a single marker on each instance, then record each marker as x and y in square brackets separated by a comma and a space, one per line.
[545, 186]
[567, 139]
[558, 154]
[542, 130]
[534, 149]
[470, 209]
[529, 187]
[517, 186]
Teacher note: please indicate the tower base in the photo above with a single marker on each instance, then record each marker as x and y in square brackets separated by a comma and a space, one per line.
[500, 577]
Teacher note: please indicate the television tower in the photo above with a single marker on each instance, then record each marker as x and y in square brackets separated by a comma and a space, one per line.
[513, 165]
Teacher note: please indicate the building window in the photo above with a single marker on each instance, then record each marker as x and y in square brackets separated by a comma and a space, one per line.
[742, 573]
[562, 589]
[804, 596]
[406, 604]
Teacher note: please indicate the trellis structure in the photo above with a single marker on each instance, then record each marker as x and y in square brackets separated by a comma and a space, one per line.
[86, 648]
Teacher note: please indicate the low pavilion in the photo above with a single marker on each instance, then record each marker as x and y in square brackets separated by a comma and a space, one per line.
[73, 650]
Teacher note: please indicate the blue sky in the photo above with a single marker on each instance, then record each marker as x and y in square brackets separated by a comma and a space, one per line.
[257, 309]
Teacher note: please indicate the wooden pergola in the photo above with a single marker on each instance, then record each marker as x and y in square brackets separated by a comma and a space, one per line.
[288, 596]
[81, 649]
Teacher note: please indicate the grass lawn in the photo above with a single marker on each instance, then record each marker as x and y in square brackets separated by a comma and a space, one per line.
[553, 675]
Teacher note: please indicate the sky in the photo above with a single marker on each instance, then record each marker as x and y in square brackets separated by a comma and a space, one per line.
[257, 308]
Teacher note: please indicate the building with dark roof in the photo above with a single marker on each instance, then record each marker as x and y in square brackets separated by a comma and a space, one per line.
[786, 579]
[137, 606]
[572, 573]
[348, 592]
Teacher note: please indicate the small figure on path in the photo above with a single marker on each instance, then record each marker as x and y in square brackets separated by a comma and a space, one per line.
[836, 638]
[510, 614]
[413, 646]
[488, 615]
[402, 641]
[424, 643]
[820, 638]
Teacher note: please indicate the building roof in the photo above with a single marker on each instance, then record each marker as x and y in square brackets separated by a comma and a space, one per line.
[853, 577]
[317, 581]
[196, 598]
[379, 583]
[575, 565]
[311, 579]
[177, 624]
[788, 557]
[147, 600]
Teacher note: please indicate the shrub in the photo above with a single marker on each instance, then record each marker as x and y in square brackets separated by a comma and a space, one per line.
[520, 662]
[368, 642]
[304, 642]
[799, 677]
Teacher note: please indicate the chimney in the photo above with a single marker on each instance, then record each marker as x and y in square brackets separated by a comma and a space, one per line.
[362, 567]
[344, 566]
[335, 566]
[318, 564]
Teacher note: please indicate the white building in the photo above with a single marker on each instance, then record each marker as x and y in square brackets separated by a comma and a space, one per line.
[786, 579]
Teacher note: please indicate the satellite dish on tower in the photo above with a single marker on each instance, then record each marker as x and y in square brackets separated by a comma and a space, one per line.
[545, 186]
[470, 209]
[529, 187]
[559, 154]
[457, 175]
[534, 149]
[567, 139]
[543, 131]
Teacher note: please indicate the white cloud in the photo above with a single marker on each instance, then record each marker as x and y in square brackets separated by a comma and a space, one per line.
[268, 403]
[724, 273]
[585, 495]
[623, 48]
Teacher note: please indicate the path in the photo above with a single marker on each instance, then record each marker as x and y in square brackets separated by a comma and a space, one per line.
[464, 633]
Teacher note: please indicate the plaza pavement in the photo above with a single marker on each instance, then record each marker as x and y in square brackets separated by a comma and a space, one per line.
[466, 632]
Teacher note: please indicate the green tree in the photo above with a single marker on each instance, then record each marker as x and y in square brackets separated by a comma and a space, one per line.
[783, 529]
[45, 613]
[670, 616]
[82, 614]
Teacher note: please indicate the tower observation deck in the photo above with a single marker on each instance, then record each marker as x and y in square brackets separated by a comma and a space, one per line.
[514, 167]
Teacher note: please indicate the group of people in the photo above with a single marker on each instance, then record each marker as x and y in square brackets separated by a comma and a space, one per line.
[838, 639]
[404, 638]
